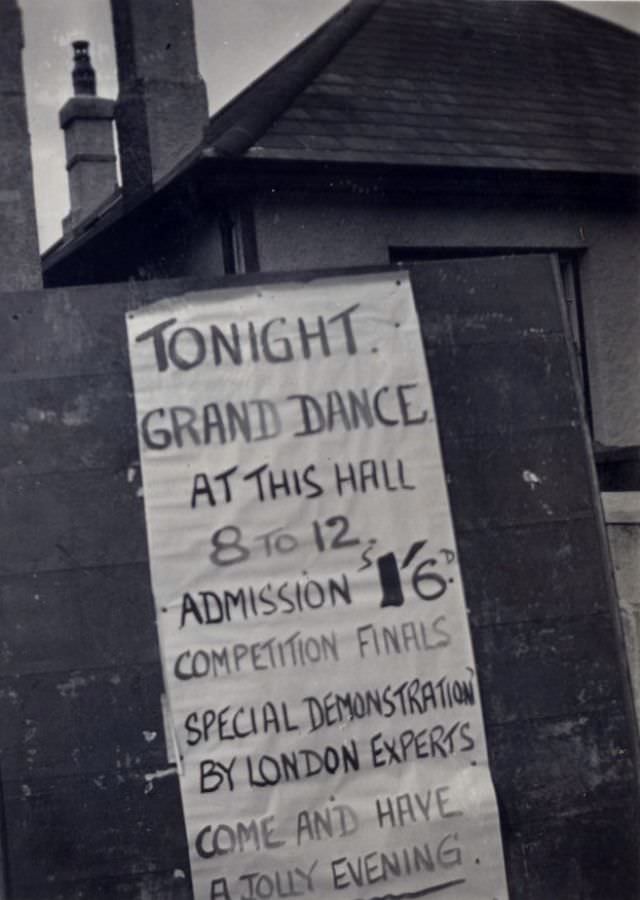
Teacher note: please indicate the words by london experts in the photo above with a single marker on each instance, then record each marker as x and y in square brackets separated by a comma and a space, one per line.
[310, 610]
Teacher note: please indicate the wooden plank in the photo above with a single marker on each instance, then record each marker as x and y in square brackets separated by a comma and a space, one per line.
[532, 573]
[482, 391]
[576, 857]
[569, 669]
[92, 827]
[67, 424]
[86, 322]
[73, 331]
[550, 768]
[58, 521]
[95, 618]
[477, 301]
[517, 479]
[139, 885]
[83, 720]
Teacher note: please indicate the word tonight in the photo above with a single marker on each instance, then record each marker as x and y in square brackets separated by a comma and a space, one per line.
[278, 340]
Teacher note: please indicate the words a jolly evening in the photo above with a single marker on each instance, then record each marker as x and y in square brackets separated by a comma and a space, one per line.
[440, 848]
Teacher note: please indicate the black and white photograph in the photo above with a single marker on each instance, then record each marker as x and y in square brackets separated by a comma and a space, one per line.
[319, 450]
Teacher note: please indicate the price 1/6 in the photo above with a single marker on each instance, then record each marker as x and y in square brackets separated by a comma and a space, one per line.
[427, 584]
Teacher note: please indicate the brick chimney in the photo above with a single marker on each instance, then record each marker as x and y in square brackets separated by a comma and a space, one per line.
[87, 122]
[19, 255]
[162, 104]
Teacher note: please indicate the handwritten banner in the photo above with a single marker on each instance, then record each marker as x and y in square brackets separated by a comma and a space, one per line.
[311, 614]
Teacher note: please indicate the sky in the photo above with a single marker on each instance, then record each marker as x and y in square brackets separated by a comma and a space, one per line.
[237, 40]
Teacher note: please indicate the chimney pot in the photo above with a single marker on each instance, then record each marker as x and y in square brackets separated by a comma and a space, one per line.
[83, 75]
[87, 122]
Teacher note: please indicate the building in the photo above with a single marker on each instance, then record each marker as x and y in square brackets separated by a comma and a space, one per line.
[402, 130]
[410, 130]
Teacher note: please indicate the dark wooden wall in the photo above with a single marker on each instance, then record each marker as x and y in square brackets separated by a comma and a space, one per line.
[537, 578]
[80, 678]
[91, 807]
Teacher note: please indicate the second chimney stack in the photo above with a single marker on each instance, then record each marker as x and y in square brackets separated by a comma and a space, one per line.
[87, 122]
[162, 103]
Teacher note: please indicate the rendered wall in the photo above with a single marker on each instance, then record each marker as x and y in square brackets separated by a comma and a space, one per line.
[312, 232]
[19, 258]
[622, 514]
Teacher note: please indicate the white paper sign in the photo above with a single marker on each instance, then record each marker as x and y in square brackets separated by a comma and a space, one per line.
[310, 609]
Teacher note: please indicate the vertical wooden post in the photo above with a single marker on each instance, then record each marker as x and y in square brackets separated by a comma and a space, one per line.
[4, 857]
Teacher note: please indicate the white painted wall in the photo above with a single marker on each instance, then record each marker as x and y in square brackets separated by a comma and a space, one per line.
[622, 515]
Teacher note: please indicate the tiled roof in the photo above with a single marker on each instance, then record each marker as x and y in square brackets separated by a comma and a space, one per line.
[474, 83]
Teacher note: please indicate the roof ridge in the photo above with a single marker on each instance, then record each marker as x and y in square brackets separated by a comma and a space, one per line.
[234, 128]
